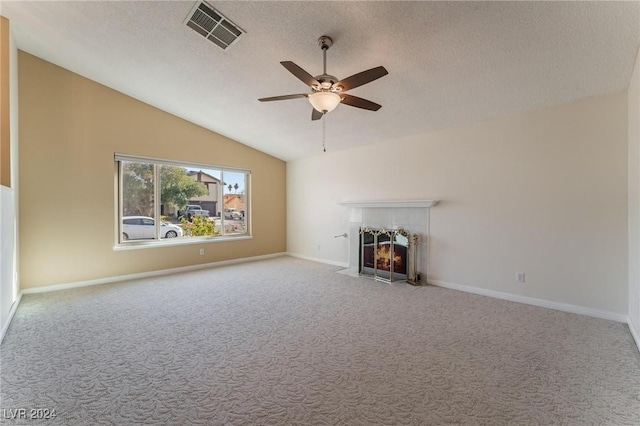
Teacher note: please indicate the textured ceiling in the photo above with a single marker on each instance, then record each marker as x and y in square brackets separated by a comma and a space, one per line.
[449, 62]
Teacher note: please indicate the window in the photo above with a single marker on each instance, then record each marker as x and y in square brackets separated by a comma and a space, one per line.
[159, 200]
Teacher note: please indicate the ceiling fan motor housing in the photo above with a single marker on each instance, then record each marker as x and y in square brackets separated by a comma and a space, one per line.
[326, 81]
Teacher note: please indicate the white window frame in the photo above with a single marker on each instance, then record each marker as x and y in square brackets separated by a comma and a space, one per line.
[119, 244]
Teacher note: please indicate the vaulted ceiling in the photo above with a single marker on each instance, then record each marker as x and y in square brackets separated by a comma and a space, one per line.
[449, 63]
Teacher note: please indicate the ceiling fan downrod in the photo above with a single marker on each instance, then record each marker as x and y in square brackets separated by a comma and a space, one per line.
[325, 43]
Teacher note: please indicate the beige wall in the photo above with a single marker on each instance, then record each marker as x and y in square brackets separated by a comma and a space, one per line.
[5, 140]
[634, 199]
[70, 128]
[544, 192]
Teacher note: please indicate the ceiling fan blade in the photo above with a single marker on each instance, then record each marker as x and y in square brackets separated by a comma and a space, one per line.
[357, 102]
[361, 78]
[284, 97]
[315, 114]
[302, 75]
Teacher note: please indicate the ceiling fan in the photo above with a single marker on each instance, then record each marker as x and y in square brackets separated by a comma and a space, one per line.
[326, 90]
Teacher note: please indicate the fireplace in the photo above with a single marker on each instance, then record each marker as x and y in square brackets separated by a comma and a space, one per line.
[411, 245]
[385, 254]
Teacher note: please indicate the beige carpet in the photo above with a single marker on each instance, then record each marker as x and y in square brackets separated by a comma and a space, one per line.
[290, 342]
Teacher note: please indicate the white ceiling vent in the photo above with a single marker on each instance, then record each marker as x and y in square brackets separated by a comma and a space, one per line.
[212, 25]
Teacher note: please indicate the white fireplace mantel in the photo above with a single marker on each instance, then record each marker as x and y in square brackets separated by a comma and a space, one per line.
[390, 204]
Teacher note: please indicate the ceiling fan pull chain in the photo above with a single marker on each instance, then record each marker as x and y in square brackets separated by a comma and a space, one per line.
[324, 147]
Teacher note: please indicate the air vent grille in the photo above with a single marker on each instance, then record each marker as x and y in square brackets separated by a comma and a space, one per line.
[212, 25]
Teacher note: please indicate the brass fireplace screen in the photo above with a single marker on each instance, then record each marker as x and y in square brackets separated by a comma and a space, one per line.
[389, 254]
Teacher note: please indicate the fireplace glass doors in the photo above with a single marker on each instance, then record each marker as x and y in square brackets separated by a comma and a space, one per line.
[384, 254]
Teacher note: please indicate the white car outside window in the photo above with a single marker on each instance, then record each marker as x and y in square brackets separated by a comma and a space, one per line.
[143, 228]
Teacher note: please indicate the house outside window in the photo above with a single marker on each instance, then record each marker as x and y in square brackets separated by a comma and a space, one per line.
[210, 200]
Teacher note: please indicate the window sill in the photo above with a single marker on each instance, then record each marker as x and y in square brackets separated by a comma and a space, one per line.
[181, 241]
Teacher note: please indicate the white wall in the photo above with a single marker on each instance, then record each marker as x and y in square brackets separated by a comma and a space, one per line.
[7, 253]
[634, 201]
[544, 192]
[9, 280]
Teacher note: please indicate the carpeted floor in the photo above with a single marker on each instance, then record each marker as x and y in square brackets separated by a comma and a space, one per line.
[290, 342]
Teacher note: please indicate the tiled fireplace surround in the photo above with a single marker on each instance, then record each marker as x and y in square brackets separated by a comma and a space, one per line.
[413, 216]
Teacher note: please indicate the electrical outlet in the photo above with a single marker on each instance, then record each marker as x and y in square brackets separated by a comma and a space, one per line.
[201, 252]
[519, 277]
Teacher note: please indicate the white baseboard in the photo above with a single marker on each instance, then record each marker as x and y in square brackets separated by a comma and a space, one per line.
[120, 278]
[558, 306]
[12, 312]
[635, 332]
[319, 260]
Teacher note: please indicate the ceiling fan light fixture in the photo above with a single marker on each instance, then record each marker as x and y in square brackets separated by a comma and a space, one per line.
[324, 101]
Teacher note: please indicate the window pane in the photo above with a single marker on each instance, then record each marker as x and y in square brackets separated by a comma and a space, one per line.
[161, 199]
[137, 198]
[234, 191]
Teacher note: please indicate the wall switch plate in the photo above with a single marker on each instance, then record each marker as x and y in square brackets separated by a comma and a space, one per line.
[201, 252]
[519, 277]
